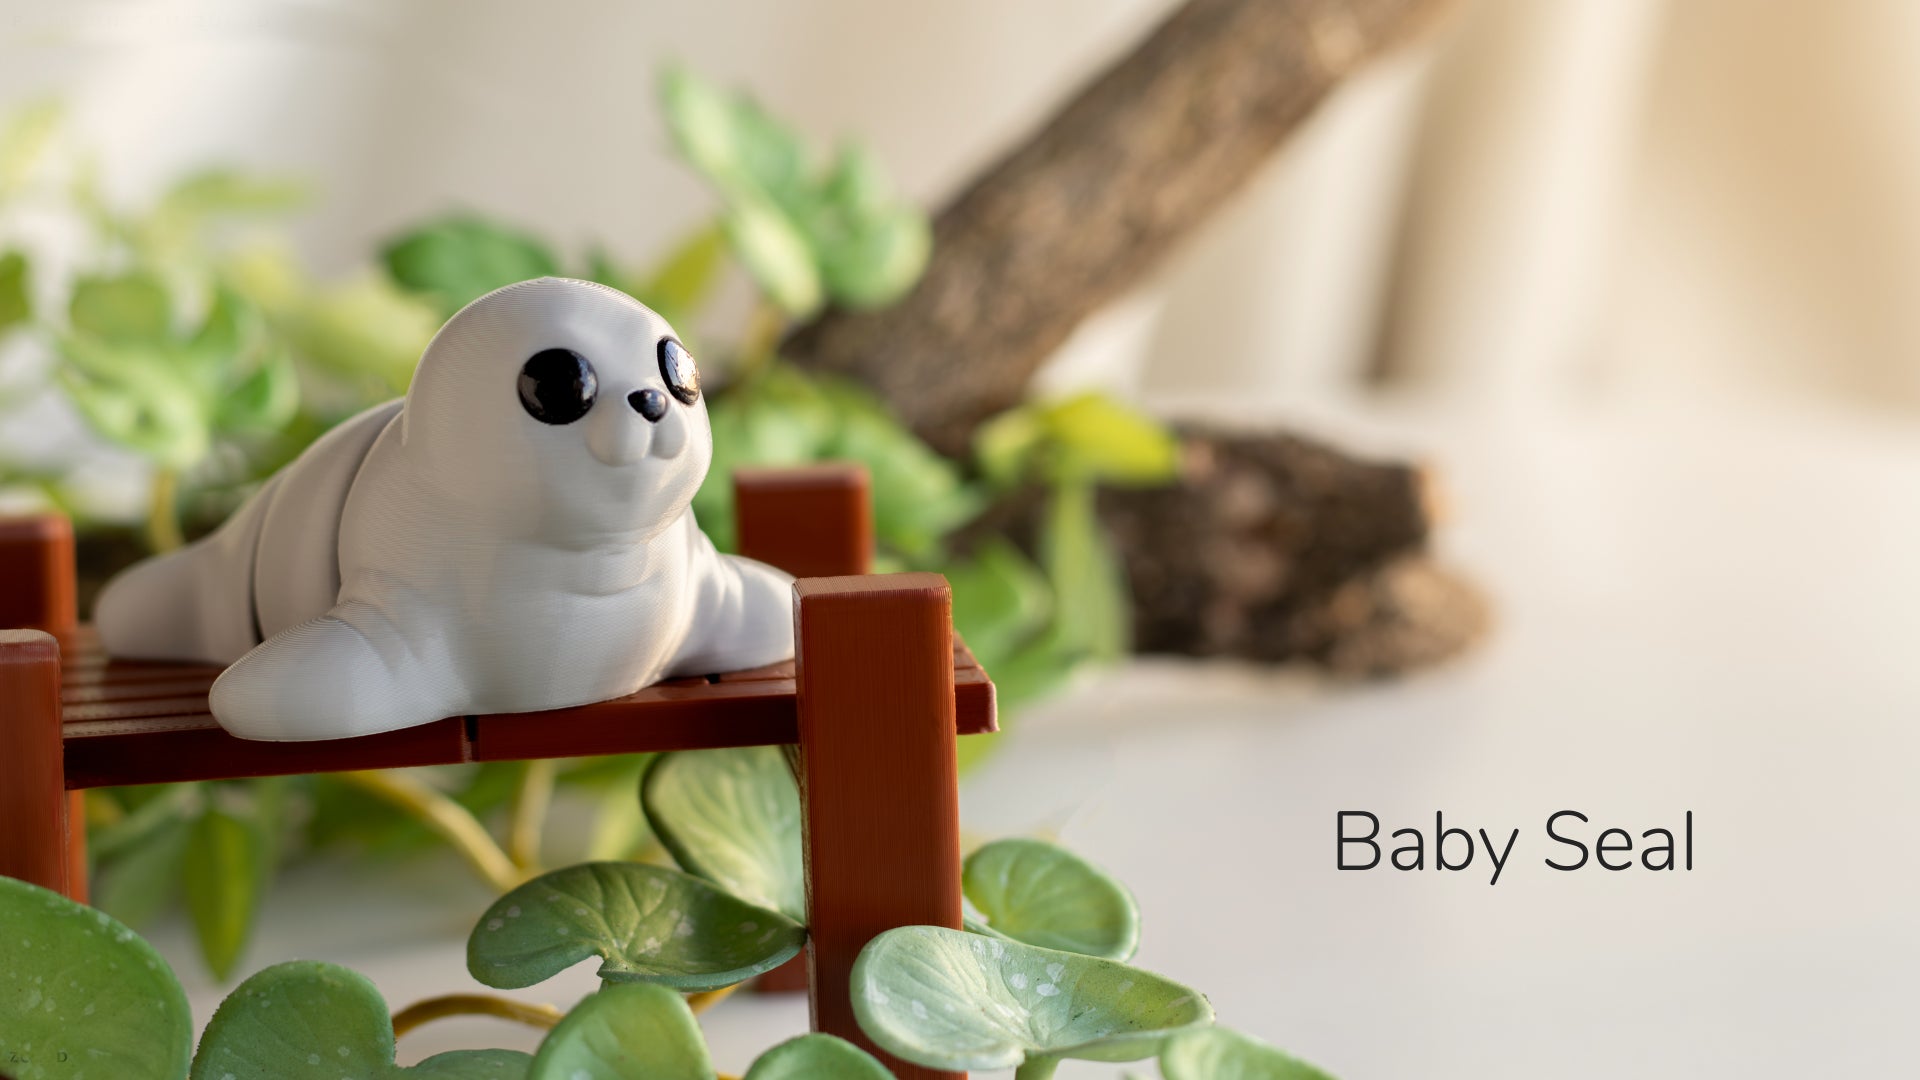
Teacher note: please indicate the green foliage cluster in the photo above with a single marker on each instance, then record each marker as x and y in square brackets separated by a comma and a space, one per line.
[193, 344]
[181, 337]
[1040, 975]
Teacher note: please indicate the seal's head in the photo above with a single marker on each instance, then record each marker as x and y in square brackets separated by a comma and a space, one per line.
[568, 406]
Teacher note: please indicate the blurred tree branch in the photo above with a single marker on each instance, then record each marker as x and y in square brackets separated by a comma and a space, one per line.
[1270, 547]
[1081, 211]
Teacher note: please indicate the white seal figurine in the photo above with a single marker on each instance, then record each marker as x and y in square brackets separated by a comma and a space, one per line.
[514, 535]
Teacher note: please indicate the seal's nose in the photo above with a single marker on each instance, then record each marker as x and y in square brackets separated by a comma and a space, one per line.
[649, 403]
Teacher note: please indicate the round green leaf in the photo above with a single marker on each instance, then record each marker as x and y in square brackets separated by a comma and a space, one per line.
[81, 989]
[733, 818]
[470, 1065]
[1045, 895]
[625, 1033]
[306, 1020]
[1223, 1054]
[952, 1000]
[646, 923]
[817, 1057]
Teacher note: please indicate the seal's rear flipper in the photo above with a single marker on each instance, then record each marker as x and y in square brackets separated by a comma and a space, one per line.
[325, 679]
[192, 604]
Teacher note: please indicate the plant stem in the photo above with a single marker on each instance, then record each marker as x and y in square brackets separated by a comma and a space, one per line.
[421, 1012]
[444, 816]
[707, 999]
[530, 805]
[163, 515]
[1037, 1068]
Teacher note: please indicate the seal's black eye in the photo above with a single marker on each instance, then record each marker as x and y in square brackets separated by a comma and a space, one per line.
[676, 366]
[557, 386]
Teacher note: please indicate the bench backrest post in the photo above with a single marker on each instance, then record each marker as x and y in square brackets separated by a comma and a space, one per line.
[811, 521]
[37, 584]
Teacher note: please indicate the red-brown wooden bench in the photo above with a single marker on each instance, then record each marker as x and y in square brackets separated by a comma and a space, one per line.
[874, 699]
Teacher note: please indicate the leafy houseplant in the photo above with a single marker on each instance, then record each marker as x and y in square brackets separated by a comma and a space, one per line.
[1040, 974]
[210, 357]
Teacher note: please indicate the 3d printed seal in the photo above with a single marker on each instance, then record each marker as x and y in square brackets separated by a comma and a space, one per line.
[514, 535]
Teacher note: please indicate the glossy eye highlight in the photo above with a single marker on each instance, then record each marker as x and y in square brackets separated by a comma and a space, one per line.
[557, 386]
[677, 367]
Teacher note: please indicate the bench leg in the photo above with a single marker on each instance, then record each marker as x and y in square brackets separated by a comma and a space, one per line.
[880, 794]
[37, 828]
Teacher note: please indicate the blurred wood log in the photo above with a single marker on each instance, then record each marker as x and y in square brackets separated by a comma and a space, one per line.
[1085, 207]
[1274, 547]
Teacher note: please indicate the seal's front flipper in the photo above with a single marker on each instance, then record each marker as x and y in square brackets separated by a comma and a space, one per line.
[742, 616]
[327, 678]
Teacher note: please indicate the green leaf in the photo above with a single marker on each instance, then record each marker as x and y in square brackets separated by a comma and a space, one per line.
[681, 282]
[127, 309]
[918, 495]
[733, 818]
[775, 253]
[1091, 611]
[24, 142]
[133, 397]
[265, 401]
[619, 826]
[227, 191]
[625, 1033]
[730, 138]
[225, 874]
[1043, 894]
[366, 329]
[817, 1057]
[953, 1000]
[858, 187]
[646, 923]
[140, 883]
[1223, 1054]
[1086, 438]
[1008, 445]
[149, 808]
[780, 418]
[1000, 599]
[307, 1019]
[82, 988]
[876, 264]
[457, 260]
[16, 301]
[1096, 437]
